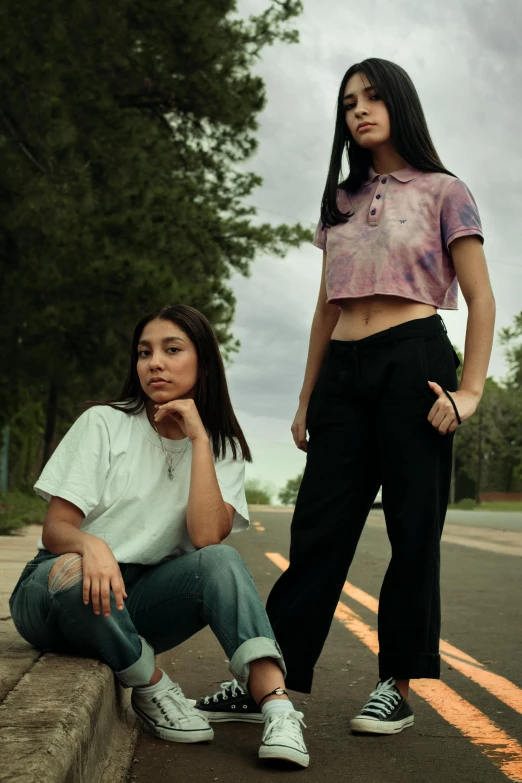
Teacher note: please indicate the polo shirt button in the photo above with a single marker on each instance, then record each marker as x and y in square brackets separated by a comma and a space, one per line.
[373, 212]
[378, 195]
[384, 181]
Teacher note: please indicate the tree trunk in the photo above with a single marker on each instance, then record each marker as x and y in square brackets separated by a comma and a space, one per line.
[50, 421]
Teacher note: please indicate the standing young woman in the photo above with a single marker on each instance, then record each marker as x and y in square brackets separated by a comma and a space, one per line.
[142, 492]
[379, 398]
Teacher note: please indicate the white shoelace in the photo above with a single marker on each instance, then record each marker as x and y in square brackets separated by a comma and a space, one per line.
[173, 695]
[383, 700]
[231, 688]
[289, 722]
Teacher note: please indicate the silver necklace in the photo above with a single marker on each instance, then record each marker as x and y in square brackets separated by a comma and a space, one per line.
[171, 465]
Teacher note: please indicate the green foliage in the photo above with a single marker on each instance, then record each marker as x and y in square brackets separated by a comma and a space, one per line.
[511, 339]
[124, 132]
[489, 444]
[26, 431]
[18, 509]
[257, 493]
[466, 504]
[288, 495]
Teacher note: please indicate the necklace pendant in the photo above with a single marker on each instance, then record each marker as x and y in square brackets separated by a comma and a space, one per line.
[171, 473]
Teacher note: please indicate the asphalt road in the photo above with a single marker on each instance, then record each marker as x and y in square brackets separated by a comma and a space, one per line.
[468, 728]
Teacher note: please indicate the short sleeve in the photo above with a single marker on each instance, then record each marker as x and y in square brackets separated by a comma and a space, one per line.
[231, 479]
[459, 216]
[319, 239]
[78, 467]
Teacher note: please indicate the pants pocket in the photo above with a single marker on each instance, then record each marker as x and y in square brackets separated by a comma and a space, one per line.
[437, 361]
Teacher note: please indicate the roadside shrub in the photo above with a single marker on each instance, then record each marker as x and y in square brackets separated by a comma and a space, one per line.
[257, 493]
[18, 509]
[288, 495]
[466, 504]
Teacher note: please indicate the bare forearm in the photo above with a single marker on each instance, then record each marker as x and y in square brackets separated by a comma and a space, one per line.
[479, 341]
[323, 324]
[207, 517]
[61, 537]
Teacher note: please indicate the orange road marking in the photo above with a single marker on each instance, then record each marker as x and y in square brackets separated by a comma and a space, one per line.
[260, 528]
[498, 686]
[499, 747]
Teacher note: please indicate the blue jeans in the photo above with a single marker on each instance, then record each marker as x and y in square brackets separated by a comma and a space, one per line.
[167, 603]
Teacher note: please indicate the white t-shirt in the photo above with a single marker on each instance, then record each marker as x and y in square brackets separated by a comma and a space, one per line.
[111, 465]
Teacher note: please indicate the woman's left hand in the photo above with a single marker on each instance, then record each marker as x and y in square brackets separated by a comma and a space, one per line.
[442, 416]
[186, 414]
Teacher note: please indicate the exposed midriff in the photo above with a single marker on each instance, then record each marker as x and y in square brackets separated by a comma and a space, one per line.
[368, 315]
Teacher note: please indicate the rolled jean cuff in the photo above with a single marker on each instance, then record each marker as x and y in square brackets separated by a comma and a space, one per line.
[140, 673]
[252, 650]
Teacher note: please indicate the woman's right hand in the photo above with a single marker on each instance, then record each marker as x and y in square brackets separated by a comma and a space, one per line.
[299, 428]
[101, 574]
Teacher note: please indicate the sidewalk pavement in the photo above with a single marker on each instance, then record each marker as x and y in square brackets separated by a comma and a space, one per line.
[63, 719]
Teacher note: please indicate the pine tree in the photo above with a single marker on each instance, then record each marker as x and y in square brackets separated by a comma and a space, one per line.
[124, 132]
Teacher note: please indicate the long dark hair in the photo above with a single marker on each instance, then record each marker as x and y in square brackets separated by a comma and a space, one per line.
[211, 394]
[409, 134]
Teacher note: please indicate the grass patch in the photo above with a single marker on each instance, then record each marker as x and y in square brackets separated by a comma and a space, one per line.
[18, 509]
[467, 504]
[501, 505]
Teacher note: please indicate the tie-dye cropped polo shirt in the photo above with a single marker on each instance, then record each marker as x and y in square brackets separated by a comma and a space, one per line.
[397, 241]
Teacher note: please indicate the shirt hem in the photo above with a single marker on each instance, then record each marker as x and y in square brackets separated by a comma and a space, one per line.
[47, 492]
[463, 232]
[337, 299]
[240, 523]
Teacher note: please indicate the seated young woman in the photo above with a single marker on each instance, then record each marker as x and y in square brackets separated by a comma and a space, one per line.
[142, 491]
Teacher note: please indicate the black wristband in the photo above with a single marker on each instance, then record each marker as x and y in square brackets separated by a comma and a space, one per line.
[450, 398]
[275, 692]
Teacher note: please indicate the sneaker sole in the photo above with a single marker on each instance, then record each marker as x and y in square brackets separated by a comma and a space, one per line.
[284, 754]
[230, 717]
[175, 735]
[366, 726]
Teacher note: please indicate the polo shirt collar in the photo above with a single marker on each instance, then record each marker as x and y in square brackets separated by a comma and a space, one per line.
[403, 175]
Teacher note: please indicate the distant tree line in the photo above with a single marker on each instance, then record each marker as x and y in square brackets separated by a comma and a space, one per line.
[488, 447]
[124, 132]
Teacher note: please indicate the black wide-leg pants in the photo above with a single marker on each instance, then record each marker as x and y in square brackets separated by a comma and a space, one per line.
[367, 424]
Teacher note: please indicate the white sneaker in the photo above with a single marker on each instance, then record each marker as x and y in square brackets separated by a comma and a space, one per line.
[167, 714]
[283, 739]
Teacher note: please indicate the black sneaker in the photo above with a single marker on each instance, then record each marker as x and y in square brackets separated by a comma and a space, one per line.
[231, 703]
[385, 712]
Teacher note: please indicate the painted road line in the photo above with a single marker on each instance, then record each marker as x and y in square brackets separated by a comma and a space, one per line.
[485, 546]
[502, 542]
[504, 751]
[498, 686]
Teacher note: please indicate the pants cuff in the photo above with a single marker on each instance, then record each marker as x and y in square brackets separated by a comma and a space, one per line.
[141, 671]
[300, 679]
[252, 650]
[409, 666]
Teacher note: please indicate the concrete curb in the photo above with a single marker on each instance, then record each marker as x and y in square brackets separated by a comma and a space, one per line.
[63, 720]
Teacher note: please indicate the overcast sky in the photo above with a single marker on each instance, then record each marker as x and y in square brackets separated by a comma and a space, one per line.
[464, 59]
